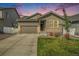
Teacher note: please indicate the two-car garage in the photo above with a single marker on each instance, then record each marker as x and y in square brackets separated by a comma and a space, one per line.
[29, 29]
[29, 24]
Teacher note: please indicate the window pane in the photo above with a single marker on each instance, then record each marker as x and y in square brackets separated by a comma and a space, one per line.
[56, 24]
[0, 14]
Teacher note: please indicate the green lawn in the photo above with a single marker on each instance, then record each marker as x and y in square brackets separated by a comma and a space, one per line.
[57, 47]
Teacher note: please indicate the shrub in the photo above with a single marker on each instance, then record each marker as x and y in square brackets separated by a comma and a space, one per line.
[57, 34]
[66, 36]
[50, 34]
[54, 34]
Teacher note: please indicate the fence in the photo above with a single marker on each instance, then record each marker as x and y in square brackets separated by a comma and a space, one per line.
[10, 30]
[71, 31]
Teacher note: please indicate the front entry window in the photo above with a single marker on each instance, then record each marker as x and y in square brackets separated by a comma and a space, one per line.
[56, 23]
[53, 24]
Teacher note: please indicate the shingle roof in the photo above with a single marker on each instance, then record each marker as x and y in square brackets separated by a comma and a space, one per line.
[24, 18]
[29, 18]
[51, 12]
[74, 17]
[34, 15]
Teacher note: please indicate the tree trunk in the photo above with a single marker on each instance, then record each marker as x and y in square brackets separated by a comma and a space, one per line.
[67, 34]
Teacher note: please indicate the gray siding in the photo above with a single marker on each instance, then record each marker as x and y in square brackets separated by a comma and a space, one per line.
[76, 26]
[0, 13]
[10, 16]
[1, 25]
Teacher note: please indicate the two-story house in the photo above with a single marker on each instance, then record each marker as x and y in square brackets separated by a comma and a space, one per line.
[8, 17]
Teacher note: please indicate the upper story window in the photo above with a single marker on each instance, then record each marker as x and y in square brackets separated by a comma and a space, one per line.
[0, 13]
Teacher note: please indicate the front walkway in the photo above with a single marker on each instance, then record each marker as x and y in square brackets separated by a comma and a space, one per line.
[19, 45]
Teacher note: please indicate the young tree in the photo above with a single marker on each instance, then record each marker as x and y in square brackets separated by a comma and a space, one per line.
[66, 24]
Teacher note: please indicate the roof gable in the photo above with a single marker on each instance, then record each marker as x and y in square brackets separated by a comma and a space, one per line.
[31, 18]
[24, 18]
[51, 13]
[34, 15]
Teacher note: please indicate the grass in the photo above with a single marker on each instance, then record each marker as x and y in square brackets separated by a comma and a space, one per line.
[57, 47]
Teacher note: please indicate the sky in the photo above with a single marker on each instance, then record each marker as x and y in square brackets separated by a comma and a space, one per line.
[27, 9]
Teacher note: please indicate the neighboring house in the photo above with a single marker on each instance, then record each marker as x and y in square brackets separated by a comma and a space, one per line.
[75, 23]
[8, 17]
[30, 24]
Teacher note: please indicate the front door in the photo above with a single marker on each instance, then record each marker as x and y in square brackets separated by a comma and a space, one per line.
[42, 25]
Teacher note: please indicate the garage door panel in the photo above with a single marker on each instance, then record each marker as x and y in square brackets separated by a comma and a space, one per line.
[31, 29]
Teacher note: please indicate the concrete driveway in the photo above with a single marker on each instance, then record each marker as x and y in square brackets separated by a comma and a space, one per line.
[19, 45]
